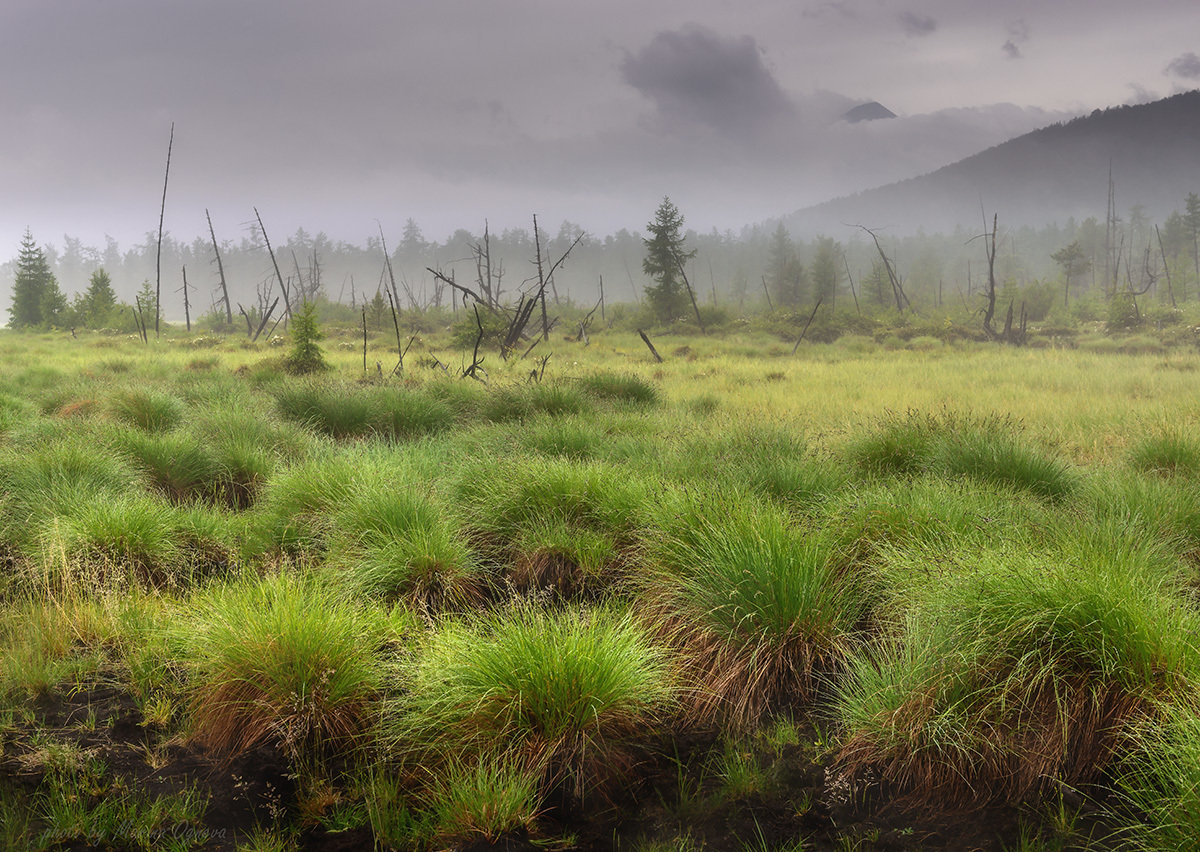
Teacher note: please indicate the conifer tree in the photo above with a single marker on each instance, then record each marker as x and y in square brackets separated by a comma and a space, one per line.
[664, 255]
[36, 299]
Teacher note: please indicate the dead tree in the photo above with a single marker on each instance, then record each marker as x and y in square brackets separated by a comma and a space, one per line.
[476, 361]
[162, 212]
[650, 346]
[220, 269]
[989, 248]
[1166, 267]
[811, 317]
[850, 278]
[691, 293]
[287, 306]
[466, 291]
[486, 275]
[187, 308]
[897, 289]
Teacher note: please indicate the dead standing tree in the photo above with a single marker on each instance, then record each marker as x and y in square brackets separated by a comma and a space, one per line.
[1015, 336]
[162, 212]
[287, 306]
[220, 270]
[897, 288]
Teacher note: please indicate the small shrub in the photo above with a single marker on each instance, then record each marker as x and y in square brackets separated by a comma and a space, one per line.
[305, 355]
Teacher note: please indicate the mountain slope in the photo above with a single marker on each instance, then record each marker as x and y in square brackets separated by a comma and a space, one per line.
[1041, 177]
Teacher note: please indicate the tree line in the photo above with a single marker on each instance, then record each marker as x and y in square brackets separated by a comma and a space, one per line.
[668, 271]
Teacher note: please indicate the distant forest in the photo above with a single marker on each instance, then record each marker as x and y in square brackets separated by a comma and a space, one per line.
[760, 267]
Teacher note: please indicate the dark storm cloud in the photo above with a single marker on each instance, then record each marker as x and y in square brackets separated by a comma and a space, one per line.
[915, 24]
[1018, 34]
[694, 75]
[1186, 66]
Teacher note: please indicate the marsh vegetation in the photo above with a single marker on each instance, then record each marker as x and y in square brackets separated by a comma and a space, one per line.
[862, 596]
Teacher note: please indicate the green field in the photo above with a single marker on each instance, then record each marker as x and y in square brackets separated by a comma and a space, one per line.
[862, 596]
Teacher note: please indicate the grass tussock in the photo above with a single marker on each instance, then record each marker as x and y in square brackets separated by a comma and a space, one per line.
[283, 660]
[149, 410]
[574, 690]
[1168, 452]
[553, 523]
[987, 449]
[395, 544]
[1014, 675]
[757, 607]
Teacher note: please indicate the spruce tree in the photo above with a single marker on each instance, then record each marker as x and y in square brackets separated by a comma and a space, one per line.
[36, 299]
[96, 305]
[664, 254]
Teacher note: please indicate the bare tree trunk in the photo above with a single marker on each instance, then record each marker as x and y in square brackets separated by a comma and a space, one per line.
[690, 291]
[1166, 267]
[162, 212]
[220, 269]
[850, 278]
[287, 305]
[537, 243]
[187, 311]
[811, 317]
[650, 346]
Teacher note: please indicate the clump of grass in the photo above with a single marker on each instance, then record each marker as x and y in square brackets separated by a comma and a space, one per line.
[1166, 453]
[900, 445]
[629, 389]
[335, 411]
[394, 544]
[404, 414]
[151, 410]
[928, 514]
[553, 523]
[177, 465]
[988, 449]
[756, 606]
[557, 400]
[131, 536]
[1015, 675]
[992, 453]
[482, 801]
[575, 690]
[1160, 783]
[247, 449]
[294, 513]
[281, 659]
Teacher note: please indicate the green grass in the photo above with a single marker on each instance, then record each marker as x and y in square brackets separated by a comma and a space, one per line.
[466, 612]
[149, 410]
[553, 522]
[576, 689]
[1014, 670]
[757, 606]
[281, 659]
[393, 543]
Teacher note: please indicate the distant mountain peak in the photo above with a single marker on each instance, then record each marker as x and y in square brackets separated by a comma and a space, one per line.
[1050, 175]
[871, 111]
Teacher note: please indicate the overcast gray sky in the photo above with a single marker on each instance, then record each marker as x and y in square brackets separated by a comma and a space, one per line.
[332, 115]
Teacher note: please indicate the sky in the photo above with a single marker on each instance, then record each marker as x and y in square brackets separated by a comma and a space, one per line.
[347, 117]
